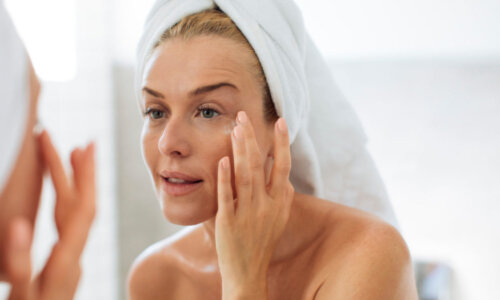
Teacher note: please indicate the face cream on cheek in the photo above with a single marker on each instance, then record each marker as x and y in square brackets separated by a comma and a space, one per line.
[229, 127]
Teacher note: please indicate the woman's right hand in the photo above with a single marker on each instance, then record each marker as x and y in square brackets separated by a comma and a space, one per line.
[74, 214]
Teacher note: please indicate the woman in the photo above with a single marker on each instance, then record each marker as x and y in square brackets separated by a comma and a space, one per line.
[255, 237]
[24, 153]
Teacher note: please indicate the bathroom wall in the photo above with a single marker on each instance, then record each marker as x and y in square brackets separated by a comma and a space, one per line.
[434, 133]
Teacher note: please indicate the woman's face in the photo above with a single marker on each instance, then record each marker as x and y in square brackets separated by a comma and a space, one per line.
[21, 193]
[192, 91]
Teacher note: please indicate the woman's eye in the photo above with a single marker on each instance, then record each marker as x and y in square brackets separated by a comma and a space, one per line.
[208, 113]
[155, 114]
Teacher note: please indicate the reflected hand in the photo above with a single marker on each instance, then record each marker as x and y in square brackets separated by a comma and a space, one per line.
[74, 214]
[247, 231]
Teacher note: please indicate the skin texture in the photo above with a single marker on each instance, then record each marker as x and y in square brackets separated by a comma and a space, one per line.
[256, 238]
[73, 215]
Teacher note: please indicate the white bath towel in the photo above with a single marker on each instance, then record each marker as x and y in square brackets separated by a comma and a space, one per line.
[14, 102]
[329, 158]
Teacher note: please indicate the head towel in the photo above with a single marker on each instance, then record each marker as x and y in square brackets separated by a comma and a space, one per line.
[329, 158]
[13, 95]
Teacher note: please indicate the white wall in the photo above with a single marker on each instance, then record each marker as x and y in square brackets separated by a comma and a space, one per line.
[434, 131]
[388, 29]
[128, 20]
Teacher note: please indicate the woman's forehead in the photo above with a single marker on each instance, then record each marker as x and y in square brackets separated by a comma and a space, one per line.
[184, 65]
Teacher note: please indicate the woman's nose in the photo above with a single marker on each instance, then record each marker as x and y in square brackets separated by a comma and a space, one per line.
[174, 139]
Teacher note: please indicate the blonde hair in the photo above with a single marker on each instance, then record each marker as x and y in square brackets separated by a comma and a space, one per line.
[216, 22]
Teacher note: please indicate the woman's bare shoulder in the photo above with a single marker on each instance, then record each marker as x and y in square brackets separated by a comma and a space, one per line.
[364, 256]
[361, 233]
[156, 270]
[343, 222]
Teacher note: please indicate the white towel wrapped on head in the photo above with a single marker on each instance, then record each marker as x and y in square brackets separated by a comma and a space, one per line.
[14, 104]
[329, 158]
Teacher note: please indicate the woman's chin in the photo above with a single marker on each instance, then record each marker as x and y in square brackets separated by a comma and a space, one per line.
[188, 216]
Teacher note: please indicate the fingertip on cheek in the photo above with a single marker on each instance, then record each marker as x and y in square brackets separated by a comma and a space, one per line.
[224, 163]
[238, 132]
[281, 126]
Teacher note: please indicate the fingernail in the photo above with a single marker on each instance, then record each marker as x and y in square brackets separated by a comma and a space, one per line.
[282, 125]
[225, 162]
[38, 129]
[238, 132]
[242, 117]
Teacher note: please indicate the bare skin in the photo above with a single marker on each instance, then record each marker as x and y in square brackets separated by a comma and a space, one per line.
[327, 244]
[255, 238]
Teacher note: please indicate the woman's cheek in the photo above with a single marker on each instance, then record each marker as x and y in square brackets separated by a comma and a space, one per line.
[149, 147]
[212, 143]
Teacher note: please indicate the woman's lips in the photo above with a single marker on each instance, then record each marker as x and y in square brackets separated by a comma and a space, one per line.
[179, 189]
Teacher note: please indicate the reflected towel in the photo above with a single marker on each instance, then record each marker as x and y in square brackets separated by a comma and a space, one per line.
[13, 95]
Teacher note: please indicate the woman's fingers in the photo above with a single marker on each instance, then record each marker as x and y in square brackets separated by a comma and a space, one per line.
[256, 166]
[268, 167]
[19, 259]
[55, 166]
[242, 175]
[75, 159]
[75, 206]
[75, 211]
[89, 178]
[282, 160]
[83, 211]
[83, 162]
[224, 189]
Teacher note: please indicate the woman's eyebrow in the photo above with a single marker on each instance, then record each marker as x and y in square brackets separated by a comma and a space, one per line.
[153, 92]
[210, 88]
[201, 90]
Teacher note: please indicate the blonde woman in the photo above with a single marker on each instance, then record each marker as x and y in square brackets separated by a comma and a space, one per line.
[217, 146]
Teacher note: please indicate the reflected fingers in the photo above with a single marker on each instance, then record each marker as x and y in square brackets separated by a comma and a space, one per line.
[19, 259]
[53, 162]
[83, 212]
